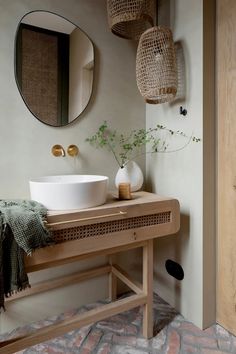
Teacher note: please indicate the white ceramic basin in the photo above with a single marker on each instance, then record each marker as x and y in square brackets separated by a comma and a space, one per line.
[69, 191]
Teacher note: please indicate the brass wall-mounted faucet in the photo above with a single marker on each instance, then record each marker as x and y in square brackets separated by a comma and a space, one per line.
[58, 150]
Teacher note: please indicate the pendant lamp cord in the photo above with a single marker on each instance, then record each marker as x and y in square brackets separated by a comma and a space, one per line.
[156, 19]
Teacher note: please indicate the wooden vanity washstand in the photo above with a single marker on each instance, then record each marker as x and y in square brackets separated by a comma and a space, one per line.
[105, 230]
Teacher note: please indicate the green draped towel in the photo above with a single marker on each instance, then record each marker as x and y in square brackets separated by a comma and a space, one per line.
[22, 231]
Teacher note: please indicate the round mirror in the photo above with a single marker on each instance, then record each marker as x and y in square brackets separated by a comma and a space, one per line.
[54, 63]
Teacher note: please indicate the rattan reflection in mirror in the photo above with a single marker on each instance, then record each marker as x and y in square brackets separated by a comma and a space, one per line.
[156, 69]
[130, 18]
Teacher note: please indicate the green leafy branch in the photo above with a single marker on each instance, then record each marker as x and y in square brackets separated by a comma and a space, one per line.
[125, 147]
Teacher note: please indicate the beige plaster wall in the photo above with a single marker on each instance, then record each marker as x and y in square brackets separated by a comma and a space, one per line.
[25, 143]
[25, 152]
[188, 174]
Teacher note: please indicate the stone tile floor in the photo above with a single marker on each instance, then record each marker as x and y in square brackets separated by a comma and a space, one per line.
[121, 334]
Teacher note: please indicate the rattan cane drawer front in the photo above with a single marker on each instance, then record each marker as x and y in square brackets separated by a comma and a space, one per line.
[109, 227]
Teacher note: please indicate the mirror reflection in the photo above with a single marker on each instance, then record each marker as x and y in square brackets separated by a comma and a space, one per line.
[54, 67]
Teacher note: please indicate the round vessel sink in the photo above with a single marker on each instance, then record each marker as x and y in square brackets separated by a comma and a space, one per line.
[69, 191]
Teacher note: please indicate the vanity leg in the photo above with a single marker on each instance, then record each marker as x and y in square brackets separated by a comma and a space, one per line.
[148, 289]
[112, 282]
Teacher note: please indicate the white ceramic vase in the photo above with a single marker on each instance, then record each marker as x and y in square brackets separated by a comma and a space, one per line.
[130, 173]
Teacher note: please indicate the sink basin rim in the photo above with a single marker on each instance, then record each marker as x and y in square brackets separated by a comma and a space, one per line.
[69, 179]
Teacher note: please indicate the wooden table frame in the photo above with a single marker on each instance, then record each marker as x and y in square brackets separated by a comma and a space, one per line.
[109, 244]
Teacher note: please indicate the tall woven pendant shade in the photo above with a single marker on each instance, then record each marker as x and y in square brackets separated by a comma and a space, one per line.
[130, 18]
[156, 69]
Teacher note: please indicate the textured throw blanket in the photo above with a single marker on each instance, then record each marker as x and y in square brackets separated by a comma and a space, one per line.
[21, 231]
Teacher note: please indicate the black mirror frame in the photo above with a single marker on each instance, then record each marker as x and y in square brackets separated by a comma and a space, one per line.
[15, 69]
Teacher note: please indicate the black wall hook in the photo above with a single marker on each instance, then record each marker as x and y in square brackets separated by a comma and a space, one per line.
[183, 111]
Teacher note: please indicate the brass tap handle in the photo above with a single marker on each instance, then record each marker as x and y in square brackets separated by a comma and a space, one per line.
[72, 150]
[57, 150]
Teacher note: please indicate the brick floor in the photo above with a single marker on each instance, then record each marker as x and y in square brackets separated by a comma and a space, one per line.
[121, 334]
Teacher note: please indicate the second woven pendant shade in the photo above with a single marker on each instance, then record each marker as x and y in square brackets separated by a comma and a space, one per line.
[156, 69]
[130, 18]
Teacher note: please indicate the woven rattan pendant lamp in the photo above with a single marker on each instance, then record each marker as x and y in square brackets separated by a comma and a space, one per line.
[156, 69]
[130, 18]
